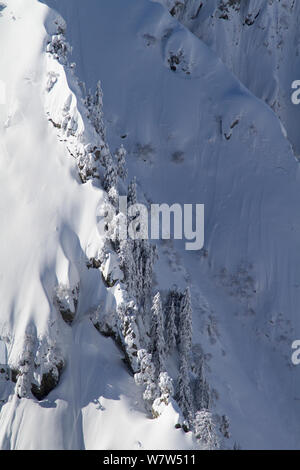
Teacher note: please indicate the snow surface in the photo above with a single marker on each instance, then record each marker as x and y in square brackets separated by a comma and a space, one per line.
[194, 135]
[48, 230]
[259, 42]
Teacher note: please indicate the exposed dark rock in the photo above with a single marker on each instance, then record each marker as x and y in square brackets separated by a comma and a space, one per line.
[49, 381]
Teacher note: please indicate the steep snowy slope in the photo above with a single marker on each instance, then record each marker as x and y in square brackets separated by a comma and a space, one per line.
[49, 231]
[258, 41]
[196, 135]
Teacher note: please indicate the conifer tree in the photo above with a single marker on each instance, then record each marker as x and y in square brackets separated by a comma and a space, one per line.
[185, 324]
[131, 194]
[171, 329]
[201, 388]
[205, 430]
[157, 336]
[184, 396]
[120, 157]
[146, 377]
[95, 109]
[110, 179]
[137, 260]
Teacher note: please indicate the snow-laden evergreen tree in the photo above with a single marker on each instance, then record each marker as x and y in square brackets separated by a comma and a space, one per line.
[131, 194]
[128, 264]
[94, 105]
[146, 377]
[201, 388]
[26, 366]
[110, 179]
[224, 426]
[157, 334]
[184, 391]
[147, 257]
[120, 156]
[185, 324]
[171, 328]
[205, 430]
[128, 334]
[165, 385]
[137, 260]
[184, 395]
[59, 48]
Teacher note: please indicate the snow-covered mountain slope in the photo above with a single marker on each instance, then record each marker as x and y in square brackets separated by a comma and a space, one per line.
[258, 41]
[197, 135]
[48, 231]
[194, 134]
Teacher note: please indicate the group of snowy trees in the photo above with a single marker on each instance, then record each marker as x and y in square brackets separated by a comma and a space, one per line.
[39, 367]
[170, 330]
[114, 166]
[147, 344]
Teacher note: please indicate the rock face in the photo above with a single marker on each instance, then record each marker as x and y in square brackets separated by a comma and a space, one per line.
[48, 382]
[66, 301]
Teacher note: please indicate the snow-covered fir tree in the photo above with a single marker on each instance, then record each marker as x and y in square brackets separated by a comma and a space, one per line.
[205, 430]
[131, 193]
[146, 377]
[94, 105]
[185, 324]
[26, 366]
[165, 385]
[128, 332]
[120, 156]
[200, 387]
[184, 395]
[110, 179]
[137, 260]
[171, 328]
[157, 334]
[59, 48]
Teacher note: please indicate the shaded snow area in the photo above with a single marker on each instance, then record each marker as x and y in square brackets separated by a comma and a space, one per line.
[118, 344]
